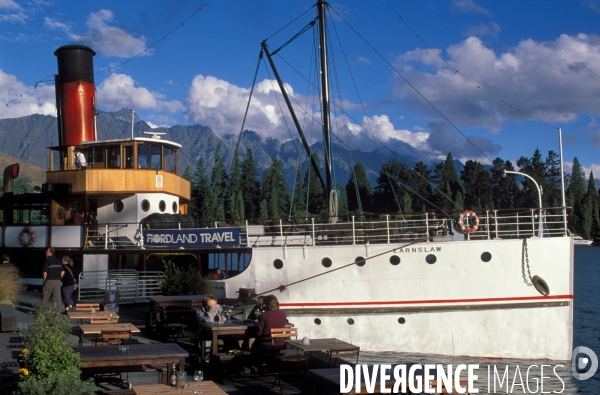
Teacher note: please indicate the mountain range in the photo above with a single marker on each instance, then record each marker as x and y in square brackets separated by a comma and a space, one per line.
[27, 137]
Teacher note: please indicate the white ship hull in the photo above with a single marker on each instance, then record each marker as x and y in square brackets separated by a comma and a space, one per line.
[459, 305]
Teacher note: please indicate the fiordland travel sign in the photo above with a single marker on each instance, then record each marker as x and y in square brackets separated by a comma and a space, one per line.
[191, 237]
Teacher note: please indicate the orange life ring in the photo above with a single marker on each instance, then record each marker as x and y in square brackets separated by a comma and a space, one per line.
[31, 237]
[468, 227]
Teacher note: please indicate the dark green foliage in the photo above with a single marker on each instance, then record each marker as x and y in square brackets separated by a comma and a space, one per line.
[419, 181]
[478, 186]
[180, 281]
[201, 207]
[449, 193]
[505, 187]
[358, 190]
[250, 186]
[218, 184]
[187, 173]
[274, 190]
[314, 193]
[391, 193]
[49, 364]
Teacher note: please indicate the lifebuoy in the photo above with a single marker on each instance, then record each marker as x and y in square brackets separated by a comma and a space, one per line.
[31, 234]
[468, 227]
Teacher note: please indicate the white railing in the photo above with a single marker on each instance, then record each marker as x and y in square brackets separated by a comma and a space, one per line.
[493, 224]
[133, 286]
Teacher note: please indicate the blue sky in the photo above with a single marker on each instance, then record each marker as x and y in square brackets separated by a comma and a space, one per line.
[524, 69]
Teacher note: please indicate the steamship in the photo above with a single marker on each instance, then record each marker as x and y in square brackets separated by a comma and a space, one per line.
[487, 284]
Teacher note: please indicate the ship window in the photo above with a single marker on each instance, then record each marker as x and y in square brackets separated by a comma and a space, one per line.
[278, 263]
[119, 206]
[114, 157]
[30, 214]
[486, 257]
[401, 320]
[395, 260]
[169, 155]
[431, 259]
[97, 158]
[129, 159]
[145, 205]
[350, 321]
[326, 262]
[360, 261]
[162, 206]
[175, 208]
[149, 157]
[317, 321]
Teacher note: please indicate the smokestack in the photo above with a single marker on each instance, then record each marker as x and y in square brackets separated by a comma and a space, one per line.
[10, 173]
[75, 94]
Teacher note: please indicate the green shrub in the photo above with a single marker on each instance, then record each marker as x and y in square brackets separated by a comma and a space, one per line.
[48, 364]
[178, 281]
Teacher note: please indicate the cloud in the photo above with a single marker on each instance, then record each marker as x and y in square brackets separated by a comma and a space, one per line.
[11, 12]
[549, 80]
[443, 140]
[121, 89]
[491, 29]
[593, 5]
[53, 24]
[380, 127]
[363, 60]
[21, 104]
[469, 6]
[110, 40]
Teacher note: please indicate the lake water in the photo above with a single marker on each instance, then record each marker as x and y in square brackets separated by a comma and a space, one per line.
[559, 379]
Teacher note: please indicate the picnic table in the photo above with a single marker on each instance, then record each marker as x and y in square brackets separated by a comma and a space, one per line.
[138, 355]
[334, 348]
[96, 329]
[214, 330]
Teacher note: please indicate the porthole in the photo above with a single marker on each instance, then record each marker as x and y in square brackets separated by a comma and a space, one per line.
[175, 208]
[145, 205]
[326, 262]
[278, 263]
[119, 206]
[350, 321]
[360, 261]
[486, 257]
[60, 213]
[162, 206]
[431, 259]
[395, 260]
[401, 320]
[317, 321]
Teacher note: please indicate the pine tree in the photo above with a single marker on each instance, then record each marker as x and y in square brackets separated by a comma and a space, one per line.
[419, 181]
[299, 198]
[275, 190]
[201, 195]
[535, 168]
[478, 186]
[391, 187]
[187, 173]
[359, 192]
[250, 186]
[218, 185]
[505, 186]
[448, 186]
[317, 201]
[232, 208]
[575, 194]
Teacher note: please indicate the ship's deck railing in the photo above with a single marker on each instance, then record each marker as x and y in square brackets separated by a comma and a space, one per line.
[493, 224]
[133, 286]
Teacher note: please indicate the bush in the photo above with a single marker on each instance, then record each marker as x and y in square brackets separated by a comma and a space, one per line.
[9, 284]
[178, 281]
[48, 364]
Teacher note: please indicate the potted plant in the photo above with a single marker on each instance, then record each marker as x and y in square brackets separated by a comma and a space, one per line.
[48, 364]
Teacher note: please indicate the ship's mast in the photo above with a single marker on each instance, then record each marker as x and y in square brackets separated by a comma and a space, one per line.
[325, 107]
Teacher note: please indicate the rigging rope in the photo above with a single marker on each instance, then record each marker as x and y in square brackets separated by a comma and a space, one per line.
[283, 287]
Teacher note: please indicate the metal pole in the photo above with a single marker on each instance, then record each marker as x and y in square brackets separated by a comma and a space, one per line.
[562, 180]
[538, 189]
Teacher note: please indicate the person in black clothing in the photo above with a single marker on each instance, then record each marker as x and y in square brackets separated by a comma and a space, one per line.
[68, 281]
[52, 273]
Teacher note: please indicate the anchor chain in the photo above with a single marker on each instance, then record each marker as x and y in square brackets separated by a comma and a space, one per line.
[526, 262]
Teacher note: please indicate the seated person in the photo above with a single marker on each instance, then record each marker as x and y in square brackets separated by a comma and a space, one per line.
[271, 318]
[210, 311]
[218, 274]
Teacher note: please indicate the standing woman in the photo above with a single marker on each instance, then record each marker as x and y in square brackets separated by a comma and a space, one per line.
[68, 282]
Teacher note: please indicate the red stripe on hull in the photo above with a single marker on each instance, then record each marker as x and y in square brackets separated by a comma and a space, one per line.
[434, 301]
